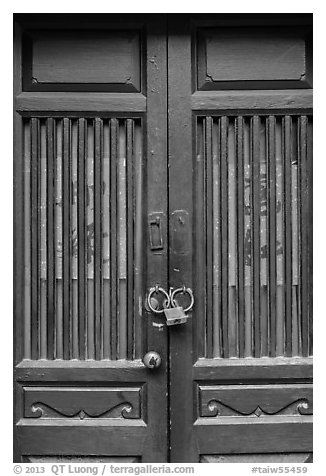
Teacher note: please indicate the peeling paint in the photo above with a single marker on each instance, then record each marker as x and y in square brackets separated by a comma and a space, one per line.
[153, 61]
[158, 325]
[140, 306]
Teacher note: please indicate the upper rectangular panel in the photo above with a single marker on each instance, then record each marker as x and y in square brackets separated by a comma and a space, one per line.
[253, 58]
[79, 60]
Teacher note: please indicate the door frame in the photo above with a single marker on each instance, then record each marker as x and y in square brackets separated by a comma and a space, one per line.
[150, 440]
[185, 104]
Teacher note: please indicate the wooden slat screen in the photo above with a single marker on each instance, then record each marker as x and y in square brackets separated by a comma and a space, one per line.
[82, 208]
[253, 190]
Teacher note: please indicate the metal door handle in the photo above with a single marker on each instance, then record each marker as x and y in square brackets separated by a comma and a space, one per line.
[155, 290]
[152, 360]
[182, 290]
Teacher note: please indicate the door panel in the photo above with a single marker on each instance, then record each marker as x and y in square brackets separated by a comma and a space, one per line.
[79, 287]
[252, 177]
[121, 185]
[83, 189]
[244, 176]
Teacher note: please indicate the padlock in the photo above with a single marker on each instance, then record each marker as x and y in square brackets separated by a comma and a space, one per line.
[175, 315]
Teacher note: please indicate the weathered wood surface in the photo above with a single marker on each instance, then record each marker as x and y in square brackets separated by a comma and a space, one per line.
[29, 103]
[85, 438]
[271, 436]
[294, 100]
[274, 56]
[85, 57]
[273, 369]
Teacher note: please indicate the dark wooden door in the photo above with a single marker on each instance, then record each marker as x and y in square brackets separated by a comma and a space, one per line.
[240, 162]
[90, 167]
[122, 184]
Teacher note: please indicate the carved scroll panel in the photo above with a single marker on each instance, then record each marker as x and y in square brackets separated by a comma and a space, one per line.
[254, 401]
[93, 403]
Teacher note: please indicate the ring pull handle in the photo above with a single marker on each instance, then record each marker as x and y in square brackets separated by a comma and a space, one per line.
[183, 290]
[155, 290]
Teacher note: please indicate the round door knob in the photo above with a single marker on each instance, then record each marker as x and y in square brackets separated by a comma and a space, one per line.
[152, 360]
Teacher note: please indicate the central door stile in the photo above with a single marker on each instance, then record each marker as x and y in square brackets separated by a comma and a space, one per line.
[157, 259]
[180, 258]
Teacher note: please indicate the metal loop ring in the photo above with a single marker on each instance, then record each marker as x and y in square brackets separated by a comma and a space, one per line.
[183, 290]
[156, 290]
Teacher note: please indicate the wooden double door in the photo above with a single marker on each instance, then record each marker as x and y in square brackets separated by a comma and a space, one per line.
[163, 151]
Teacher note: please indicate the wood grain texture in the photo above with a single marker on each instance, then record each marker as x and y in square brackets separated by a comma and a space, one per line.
[240, 234]
[209, 233]
[76, 438]
[82, 235]
[153, 266]
[181, 163]
[28, 103]
[82, 403]
[83, 58]
[65, 371]
[272, 436]
[247, 217]
[75, 230]
[249, 100]
[258, 458]
[282, 369]
[271, 144]
[98, 237]
[254, 400]
[50, 259]
[287, 227]
[81, 459]
[34, 200]
[224, 233]
[272, 54]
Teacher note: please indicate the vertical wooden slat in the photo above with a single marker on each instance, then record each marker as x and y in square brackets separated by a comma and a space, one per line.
[209, 236]
[90, 349]
[263, 245]
[240, 233]
[310, 231]
[271, 175]
[232, 242]
[50, 134]
[27, 240]
[200, 281]
[34, 200]
[216, 242]
[138, 246]
[280, 239]
[130, 235]
[248, 351]
[98, 153]
[74, 241]
[122, 242]
[304, 215]
[58, 244]
[114, 249]
[66, 248]
[106, 241]
[82, 255]
[224, 233]
[296, 338]
[287, 131]
[255, 157]
[42, 251]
